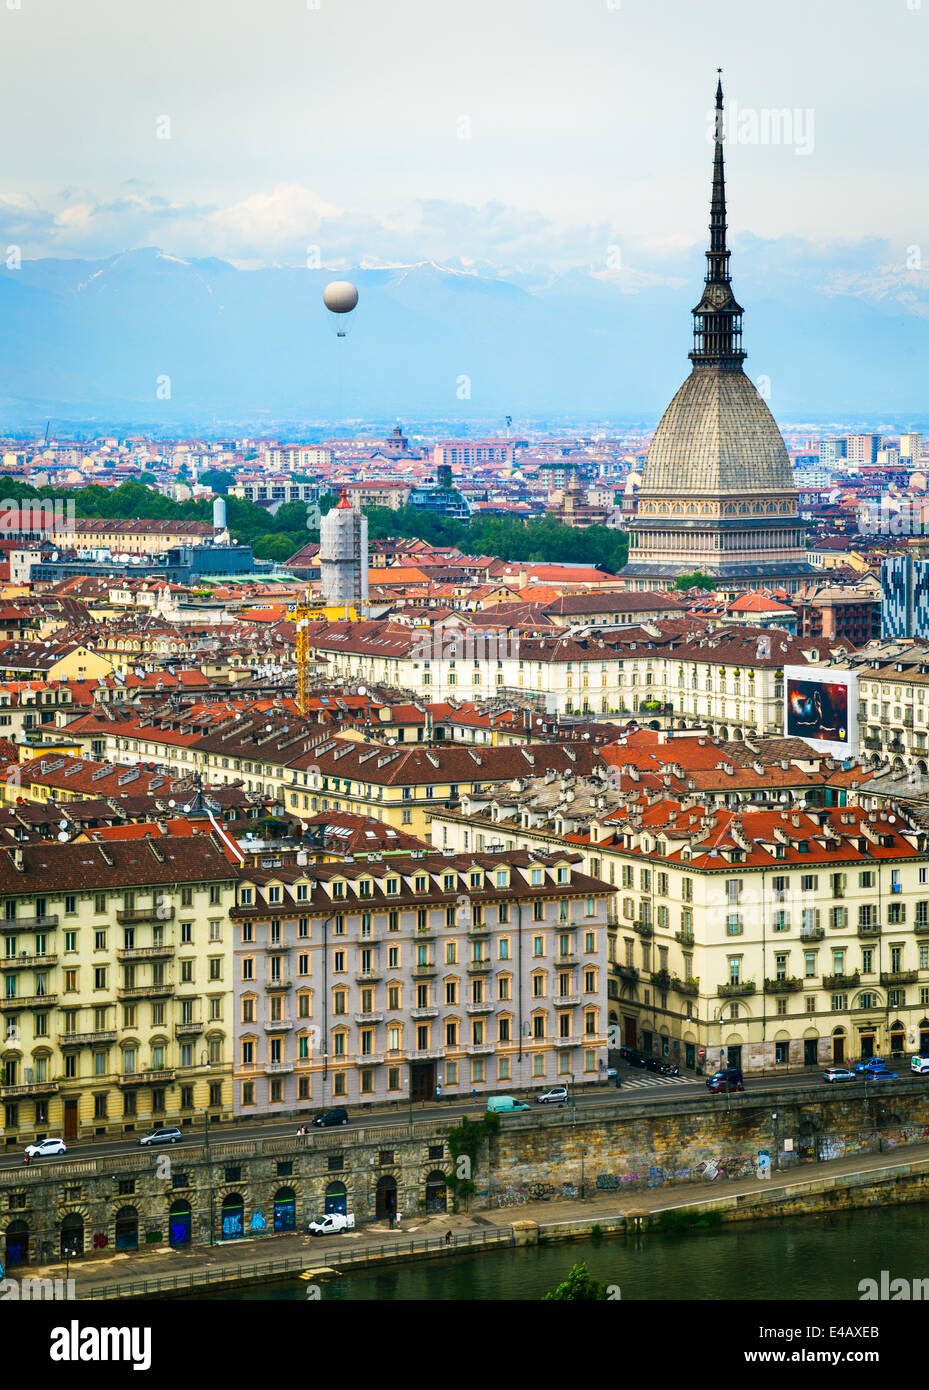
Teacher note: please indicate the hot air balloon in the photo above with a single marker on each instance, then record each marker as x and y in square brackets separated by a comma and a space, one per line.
[340, 297]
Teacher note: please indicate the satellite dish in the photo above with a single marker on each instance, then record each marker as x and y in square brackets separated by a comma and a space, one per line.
[172, 803]
[362, 690]
[340, 297]
[62, 835]
[62, 825]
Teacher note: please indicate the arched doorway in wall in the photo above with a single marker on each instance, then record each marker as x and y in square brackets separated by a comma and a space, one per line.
[386, 1197]
[233, 1217]
[127, 1229]
[285, 1209]
[838, 1045]
[336, 1198]
[72, 1235]
[179, 1223]
[436, 1191]
[16, 1245]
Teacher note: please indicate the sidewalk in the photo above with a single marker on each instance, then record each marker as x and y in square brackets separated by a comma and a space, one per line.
[281, 1256]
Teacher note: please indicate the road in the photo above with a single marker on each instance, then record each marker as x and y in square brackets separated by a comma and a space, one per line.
[637, 1086]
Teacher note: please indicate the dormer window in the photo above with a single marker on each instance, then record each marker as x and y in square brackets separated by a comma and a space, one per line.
[420, 883]
[392, 886]
[365, 888]
[564, 874]
[338, 888]
[503, 878]
[476, 880]
[274, 893]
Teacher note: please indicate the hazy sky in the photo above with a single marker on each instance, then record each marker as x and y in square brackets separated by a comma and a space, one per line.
[514, 132]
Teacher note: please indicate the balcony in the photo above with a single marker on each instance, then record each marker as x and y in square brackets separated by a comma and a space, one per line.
[369, 1018]
[430, 1011]
[425, 1054]
[188, 1030]
[28, 923]
[788, 985]
[368, 977]
[32, 1088]
[27, 962]
[278, 1068]
[737, 989]
[483, 1007]
[813, 934]
[144, 914]
[566, 1001]
[144, 953]
[282, 982]
[921, 928]
[479, 967]
[689, 986]
[86, 1039]
[684, 938]
[899, 977]
[144, 991]
[146, 1078]
[628, 972]
[842, 981]
[278, 1025]
[479, 929]
[425, 934]
[661, 979]
[29, 1001]
[869, 929]
[643, 928]
[479, 1049]
[371, 1059]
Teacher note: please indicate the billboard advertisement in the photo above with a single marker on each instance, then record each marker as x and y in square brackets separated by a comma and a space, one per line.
[821, 706]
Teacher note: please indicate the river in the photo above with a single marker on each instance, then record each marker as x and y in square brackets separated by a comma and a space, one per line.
[802, 1258]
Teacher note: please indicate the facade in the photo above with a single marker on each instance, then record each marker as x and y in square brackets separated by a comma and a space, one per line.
[752, 937]
[905, 598]
[717, 491]
[420, 975]
[114, 986]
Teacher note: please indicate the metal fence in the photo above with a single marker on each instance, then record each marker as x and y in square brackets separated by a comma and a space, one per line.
[493, 1237]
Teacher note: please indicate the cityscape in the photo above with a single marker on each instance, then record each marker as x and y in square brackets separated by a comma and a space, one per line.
[464, 654]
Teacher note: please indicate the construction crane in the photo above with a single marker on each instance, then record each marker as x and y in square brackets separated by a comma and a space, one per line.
[301, 615]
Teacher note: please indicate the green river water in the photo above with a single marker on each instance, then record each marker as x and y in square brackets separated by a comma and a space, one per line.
[804, 1258]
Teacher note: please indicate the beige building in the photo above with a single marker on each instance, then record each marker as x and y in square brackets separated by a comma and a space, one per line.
[115, 986]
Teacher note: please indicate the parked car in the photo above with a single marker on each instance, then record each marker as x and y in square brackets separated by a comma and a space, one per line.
[839, 1074]
[869, 1063]
[505, 1105]
[730, 1079]
[46, 1148]
[165, 1135]
[338, 1116]
[557, 1095]
[919, 1064]
[331, 1224]
[632, 1056]
[879, 1073]
[653, 1064]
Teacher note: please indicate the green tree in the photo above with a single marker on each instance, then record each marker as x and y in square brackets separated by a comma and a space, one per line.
[696, 580]
[578, 1287]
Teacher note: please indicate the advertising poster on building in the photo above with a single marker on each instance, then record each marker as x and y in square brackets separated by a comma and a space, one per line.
[821, 706]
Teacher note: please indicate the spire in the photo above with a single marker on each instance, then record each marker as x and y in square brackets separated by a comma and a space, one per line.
[718, 317]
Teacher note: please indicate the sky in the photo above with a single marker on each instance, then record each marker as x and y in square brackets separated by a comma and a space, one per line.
[517, 135]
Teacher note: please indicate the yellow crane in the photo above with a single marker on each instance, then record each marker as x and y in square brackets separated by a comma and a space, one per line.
[302, 614]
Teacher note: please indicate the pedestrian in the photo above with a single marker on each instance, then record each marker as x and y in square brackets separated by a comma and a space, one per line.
[448, 1237]
[438, 1092]
[473, 1092]
[26, 1159]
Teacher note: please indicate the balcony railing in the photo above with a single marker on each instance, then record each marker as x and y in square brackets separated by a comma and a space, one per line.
[787, 985]
[812, 934]
[372, 1017]
[688, 986]
[144, 953]
[628, 972]
[86, 1039]
[27, 962]
[32, 1088]
[146, 1078]
[661, 979]
[899, 977]
[425, 1054]
[145, 914]
[733, 990]
[144, 991]
[429, 1011]
[685, 938]
[644, 928]
[479, 967]
[281, 982]
[28, 1001]
[479, 1049]
[278, 1025]
[841, 981]
[278, 1068]
[869, 928]
[368, 977]
[484, 1007]
[29, 923]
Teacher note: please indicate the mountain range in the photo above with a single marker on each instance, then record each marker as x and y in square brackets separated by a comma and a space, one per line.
[177, 345]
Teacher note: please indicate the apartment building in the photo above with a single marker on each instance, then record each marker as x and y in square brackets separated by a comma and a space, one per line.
[115, 986]
[761, 936]
[730, 681]
[420, 975]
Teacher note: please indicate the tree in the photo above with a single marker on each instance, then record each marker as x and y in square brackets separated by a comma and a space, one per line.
[696, 580]
[579, 1287]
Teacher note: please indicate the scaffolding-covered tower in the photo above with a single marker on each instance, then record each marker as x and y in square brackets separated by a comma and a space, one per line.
[343, 557]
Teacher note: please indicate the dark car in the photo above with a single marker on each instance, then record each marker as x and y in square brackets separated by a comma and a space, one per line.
[338, 1116]
[730, 1079]
[653, 1064]
[162, 1136]
[632, 1056]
